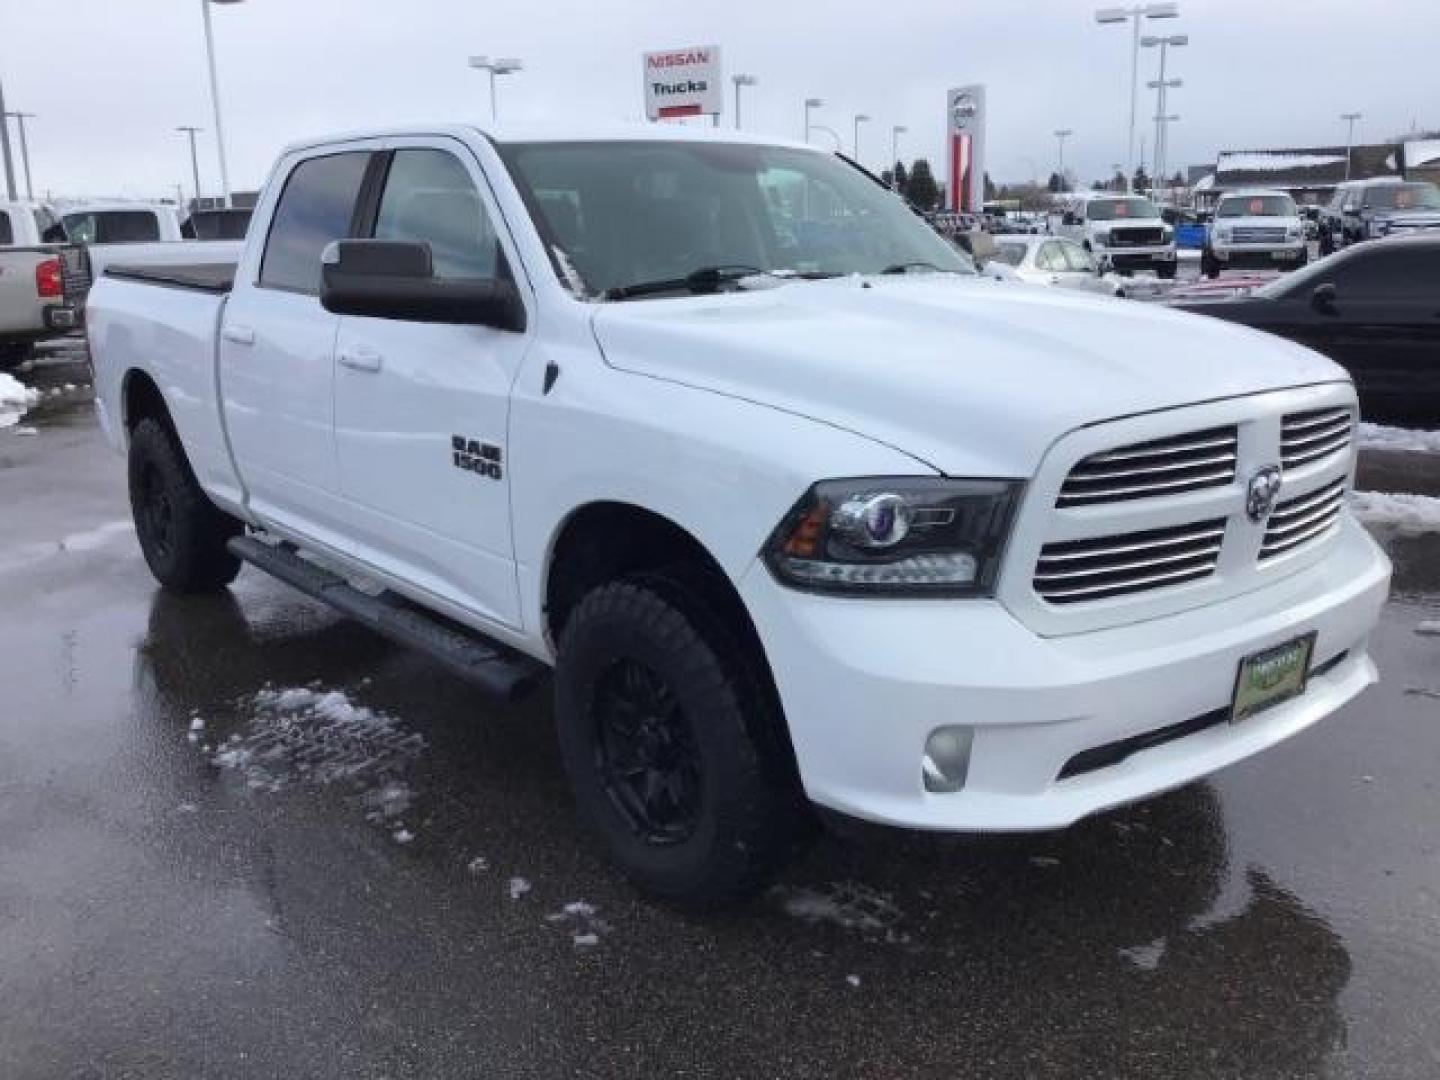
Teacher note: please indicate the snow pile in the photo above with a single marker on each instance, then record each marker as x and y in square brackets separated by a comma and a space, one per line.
[1379, 437]
[15, 400]
[1145, 957]
[1401, 513]
[1262, 161]
[322, 737]
[1422, 152]
[519, 886]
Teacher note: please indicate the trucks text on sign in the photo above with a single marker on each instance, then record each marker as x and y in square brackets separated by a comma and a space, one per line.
[684, 82]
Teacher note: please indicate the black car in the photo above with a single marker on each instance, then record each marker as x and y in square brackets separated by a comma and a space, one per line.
[1373, 308]
[1370, 209]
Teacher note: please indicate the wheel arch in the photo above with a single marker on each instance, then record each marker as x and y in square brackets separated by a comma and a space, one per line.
[141, 399]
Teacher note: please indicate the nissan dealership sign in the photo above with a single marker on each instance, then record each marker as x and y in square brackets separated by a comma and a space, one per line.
[965, 116]
[684, 82]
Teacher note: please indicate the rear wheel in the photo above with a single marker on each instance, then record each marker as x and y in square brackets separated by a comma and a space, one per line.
[671, 738]
[13, 354]
[182, 534]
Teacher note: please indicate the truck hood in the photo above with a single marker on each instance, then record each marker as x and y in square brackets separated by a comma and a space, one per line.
[972, 376]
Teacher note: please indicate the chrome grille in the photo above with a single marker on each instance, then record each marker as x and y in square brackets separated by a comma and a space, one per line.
[1189, 462]
[1310, 436]
[1136, 237]
[1302, 519]
[1093, 569]
[1259, 235]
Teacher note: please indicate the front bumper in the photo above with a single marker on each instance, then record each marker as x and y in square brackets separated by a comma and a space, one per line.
[1252, 255]
[864, 682]
[1136, 258]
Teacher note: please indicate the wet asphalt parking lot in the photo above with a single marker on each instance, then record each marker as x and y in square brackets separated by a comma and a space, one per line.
[242, 837]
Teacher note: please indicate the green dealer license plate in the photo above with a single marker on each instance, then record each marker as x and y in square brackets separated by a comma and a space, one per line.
[1270, 677]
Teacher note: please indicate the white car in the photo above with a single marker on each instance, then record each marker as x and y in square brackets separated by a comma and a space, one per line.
[1053, 260]
[1125, 232]
[1254, 229]
[799, 510]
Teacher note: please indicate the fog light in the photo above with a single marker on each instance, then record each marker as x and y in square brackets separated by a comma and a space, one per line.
[947, 758]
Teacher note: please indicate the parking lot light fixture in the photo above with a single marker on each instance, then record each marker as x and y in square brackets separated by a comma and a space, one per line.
[194, 158]
[811, 103]
[503, 66]
[1061, 134]
[1349, 118]
[1161, 86]
[860, 118]
[1133, 15]
[739, 81]
[215, 96]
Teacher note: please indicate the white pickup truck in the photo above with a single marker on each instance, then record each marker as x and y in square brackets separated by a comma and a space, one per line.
[33, 279]
[799, 510]
[1124, 232]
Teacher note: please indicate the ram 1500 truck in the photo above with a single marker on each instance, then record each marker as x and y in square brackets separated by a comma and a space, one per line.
[37, 278]
[800, 511]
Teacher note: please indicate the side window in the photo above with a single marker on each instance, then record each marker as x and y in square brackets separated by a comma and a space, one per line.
[1395, 273]
[315, 208]
[7, 232]
[1050, 258]
[430, 198]
[1077, 258]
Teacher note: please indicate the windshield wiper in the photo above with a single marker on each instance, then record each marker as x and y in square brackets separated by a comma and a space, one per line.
[707, 279]
[906, 267]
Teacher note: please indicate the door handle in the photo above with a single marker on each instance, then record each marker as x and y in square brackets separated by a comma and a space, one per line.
[240, 335]
[359, 358]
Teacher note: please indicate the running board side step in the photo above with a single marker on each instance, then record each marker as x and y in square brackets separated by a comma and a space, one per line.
[497, 669]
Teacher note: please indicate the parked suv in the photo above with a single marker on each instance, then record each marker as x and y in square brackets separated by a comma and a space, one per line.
[1254, 228]
[1369, 209]
[1125, 231]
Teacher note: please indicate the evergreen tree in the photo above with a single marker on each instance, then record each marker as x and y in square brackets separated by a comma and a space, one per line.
[902, 179]
[922, 189]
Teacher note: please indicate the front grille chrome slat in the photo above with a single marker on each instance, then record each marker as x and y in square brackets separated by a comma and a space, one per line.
[1189, 462]
[1302, 519]
[1077, 570]
[1308, 437]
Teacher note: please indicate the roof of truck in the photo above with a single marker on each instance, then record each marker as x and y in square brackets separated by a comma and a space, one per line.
[562, 132]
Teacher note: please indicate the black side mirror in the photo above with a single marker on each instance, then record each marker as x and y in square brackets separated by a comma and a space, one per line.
[395, 279]
[1323, 298]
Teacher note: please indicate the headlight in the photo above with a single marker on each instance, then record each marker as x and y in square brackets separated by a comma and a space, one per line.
[1166, 235]
[898, 537]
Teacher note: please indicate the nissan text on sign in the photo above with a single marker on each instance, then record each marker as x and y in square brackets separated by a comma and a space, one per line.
[684, 82]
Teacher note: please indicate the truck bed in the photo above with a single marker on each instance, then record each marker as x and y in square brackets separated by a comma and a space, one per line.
[212, 277]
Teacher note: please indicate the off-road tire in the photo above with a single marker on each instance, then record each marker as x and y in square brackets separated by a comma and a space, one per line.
[1166, 271]
[751, 812]
[182, 534]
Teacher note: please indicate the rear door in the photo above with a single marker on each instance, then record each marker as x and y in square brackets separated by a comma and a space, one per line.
[421, 409]
[277, 349]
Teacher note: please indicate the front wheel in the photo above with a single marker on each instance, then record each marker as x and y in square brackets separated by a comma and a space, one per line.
[1166, 271]
[182, 534]
[672, 741]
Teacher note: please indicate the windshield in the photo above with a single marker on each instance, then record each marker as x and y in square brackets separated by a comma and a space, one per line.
[1113, 209]
[1402, 197]
[112, 227]
[618, 214]
[1013, 254]
[1256, 206]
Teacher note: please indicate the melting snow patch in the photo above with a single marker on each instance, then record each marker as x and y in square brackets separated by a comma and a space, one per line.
[403, 835]
[853, 980]
[518, 887]
[848, 905]
[1146, 957]
[478, 865]
[579, 917]
[1401, 513]
[1379, 437]
[323, 738]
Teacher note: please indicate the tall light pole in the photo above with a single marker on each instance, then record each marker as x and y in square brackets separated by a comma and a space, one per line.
[1349, 118]
[811, 103]
[5, 149]
[895, 133]
[503, 66]
[194, 158]
[1133, 15]
[1061, 134]
[215, 96]
[1160, 86]
[20, 118]
[860, 118]
[739, 81]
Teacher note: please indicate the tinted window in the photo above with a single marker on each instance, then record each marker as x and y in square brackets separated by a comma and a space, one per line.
[113, 227]
[7, 231]
[1390, 272]
[217, 225]
[1121, 209]
[429, 198]
[314, 209]
[1403, 197]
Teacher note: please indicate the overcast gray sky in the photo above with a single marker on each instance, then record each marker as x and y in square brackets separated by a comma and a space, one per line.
[112, 78]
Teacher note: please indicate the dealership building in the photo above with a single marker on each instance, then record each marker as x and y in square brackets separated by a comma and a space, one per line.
[1310, 174]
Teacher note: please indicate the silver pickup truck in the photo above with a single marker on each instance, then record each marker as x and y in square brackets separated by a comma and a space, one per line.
[39, 278]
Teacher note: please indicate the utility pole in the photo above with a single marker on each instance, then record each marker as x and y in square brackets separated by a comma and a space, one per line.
[1060, 136]
[5, 148]
[20, 118]
[739, 81]
[1349, 118]
[194, 158]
